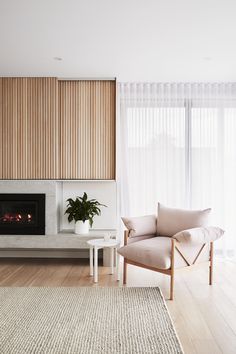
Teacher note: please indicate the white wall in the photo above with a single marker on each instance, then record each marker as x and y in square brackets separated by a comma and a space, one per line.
[103, 191]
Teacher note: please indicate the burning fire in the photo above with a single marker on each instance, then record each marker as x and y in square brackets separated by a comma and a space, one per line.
[12, 218]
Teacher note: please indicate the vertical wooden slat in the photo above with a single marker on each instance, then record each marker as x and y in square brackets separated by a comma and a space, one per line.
[29, 128]
[1, 130]
[87, 126]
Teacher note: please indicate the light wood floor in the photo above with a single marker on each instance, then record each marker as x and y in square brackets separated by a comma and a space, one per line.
[204, 316]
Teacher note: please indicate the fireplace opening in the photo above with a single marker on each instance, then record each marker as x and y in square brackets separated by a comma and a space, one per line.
[22, 214]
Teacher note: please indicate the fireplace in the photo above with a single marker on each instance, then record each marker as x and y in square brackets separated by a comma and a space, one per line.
[22, 214]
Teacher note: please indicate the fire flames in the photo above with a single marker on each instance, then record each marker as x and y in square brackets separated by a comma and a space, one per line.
[16, 218]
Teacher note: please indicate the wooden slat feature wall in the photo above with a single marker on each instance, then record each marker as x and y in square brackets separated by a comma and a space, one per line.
[38, 141]
[29, 128]
[87, 129]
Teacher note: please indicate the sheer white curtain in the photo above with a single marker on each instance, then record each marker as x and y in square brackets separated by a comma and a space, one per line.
[178, 146]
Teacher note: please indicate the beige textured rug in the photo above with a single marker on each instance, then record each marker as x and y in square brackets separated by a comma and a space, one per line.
[85, 320]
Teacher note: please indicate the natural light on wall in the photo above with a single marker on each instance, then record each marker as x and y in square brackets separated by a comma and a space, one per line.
[179, 148]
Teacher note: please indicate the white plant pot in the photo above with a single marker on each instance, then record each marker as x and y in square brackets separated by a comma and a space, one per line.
[81, 227]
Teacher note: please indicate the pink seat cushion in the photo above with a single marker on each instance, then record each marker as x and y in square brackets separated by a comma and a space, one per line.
[156, 253]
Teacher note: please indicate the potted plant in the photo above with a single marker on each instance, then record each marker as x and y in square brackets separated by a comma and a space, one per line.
[82, 210]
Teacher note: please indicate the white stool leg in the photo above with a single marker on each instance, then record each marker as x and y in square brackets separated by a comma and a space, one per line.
[91, 260]
[112, 260]
[117, 265]
[95, 264]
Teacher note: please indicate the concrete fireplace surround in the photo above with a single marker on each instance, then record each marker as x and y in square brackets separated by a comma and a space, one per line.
[53, 194]
[59, 240]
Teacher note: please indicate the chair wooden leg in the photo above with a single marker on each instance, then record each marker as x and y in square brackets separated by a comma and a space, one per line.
[172, 287]
[125, 271]
[211, 264]
[172, 269]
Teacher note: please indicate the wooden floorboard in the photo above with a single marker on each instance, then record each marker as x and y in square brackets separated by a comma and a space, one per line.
[204, 316]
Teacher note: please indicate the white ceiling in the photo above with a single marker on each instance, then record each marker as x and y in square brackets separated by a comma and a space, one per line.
[133, 40]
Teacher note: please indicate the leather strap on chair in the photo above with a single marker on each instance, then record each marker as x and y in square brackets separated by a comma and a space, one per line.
[195, 259]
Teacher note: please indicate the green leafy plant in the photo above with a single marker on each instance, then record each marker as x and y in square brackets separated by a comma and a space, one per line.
[83, 209]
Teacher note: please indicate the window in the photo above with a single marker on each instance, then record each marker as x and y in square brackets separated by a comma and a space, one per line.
[181, 152]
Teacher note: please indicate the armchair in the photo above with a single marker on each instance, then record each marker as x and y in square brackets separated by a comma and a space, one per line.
[176, 238]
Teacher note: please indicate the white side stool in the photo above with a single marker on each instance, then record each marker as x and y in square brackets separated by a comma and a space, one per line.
[98, 244]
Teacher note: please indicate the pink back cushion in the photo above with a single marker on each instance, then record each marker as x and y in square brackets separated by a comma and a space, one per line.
[172, 220]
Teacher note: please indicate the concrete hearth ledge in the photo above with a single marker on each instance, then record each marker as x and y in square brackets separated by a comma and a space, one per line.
[63, 240]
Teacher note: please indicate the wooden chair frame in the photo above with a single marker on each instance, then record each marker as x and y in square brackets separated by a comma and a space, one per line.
[171, 270]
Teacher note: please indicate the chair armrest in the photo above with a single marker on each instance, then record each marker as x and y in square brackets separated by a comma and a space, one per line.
[129, 239]
[199, 235]
[126, 237]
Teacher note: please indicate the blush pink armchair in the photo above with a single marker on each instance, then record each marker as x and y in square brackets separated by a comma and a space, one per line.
[173, 239]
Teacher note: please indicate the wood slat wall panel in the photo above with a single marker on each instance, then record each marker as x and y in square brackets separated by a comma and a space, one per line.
[38, 142]
[29, 128]
[1, 129]
[87, 121]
